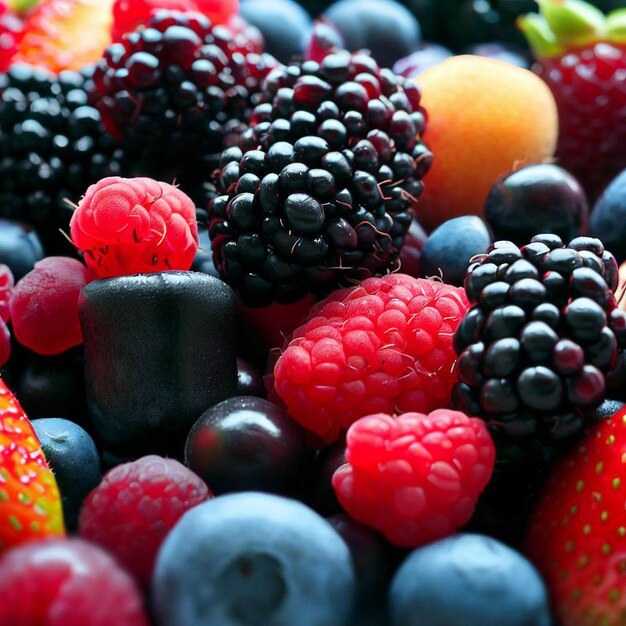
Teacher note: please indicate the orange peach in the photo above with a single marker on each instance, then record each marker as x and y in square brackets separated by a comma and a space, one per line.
[485, 119]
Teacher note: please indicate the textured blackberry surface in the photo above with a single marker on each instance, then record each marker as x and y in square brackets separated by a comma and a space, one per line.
[541, 336]
[52, 147]
[178, 91]
[321, 188]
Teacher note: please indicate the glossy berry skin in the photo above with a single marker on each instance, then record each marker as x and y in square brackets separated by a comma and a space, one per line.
[20, 247]
[427, 55]
[129, 324]
[44, 306]
[576, 535]
[384, 27]
[541, 336]
[251, 557]
[465, 580]
[249, 379]
[385, 346]
[536, 199]
[321, 188]
[179, 82]
[30, 506]
[449, 248]
[607, 217]
[134, 507]
[135, 225]
[424, 471]
[284, 24]
[128, 15]
[325, 39]
[579, 80]
[411, 250]
[319, 492]
[247, 444]
[67, 583]
[74, 459]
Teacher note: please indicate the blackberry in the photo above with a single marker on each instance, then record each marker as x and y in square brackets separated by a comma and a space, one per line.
[321, 188]
[178, 91]
[52, 147]
[542, 335]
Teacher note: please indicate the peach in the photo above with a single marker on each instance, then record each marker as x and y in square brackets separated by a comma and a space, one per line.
[485, 119]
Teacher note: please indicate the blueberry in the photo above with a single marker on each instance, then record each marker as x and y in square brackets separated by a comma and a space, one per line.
[20, 247]
[467, 580]
[253, 559]
[247, 443]
[541, 198]
[284, 24]
[608, 218]
[451, 246]
[384, 27]
[74, 459]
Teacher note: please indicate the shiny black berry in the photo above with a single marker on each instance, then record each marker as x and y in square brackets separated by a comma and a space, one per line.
[543, 338]
[321, 189]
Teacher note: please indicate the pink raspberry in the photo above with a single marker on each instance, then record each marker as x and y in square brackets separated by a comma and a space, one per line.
[384, 346]
[44, 305]
[135, 506]
[133, 226]
[66, 583]
[415, 478]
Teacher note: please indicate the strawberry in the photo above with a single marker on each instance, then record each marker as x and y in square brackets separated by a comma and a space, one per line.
[30, 504]
[581, 55]
[66, 34]
[577, 532]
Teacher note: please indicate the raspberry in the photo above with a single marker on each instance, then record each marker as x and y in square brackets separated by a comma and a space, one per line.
[132, 510]
[415, 478]
[135, 225]
[44, 306]
[384, 346]
[6, 290]
[66, 583]
[130, 14]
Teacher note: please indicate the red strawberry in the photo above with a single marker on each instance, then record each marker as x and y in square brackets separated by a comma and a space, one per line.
[415, 478]
[577, 533]
[581, 54]
[30, 505]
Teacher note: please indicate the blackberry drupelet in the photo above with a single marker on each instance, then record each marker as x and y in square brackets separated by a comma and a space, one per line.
[321, 188]
[543, 332]
[178, 91]
[52, 147]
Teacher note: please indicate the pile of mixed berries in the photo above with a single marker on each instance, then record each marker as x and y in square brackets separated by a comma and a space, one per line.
[312, 313]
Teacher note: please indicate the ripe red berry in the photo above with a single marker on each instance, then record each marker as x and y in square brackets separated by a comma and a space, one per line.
[132, 510]
[218, 11]
[66, 583]
[416, 478]
[11, 32]
[583, 61]
[129, 14]
[44, 306]
[384, 346]
[7, 282]
[135, 225]
[577, 533]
